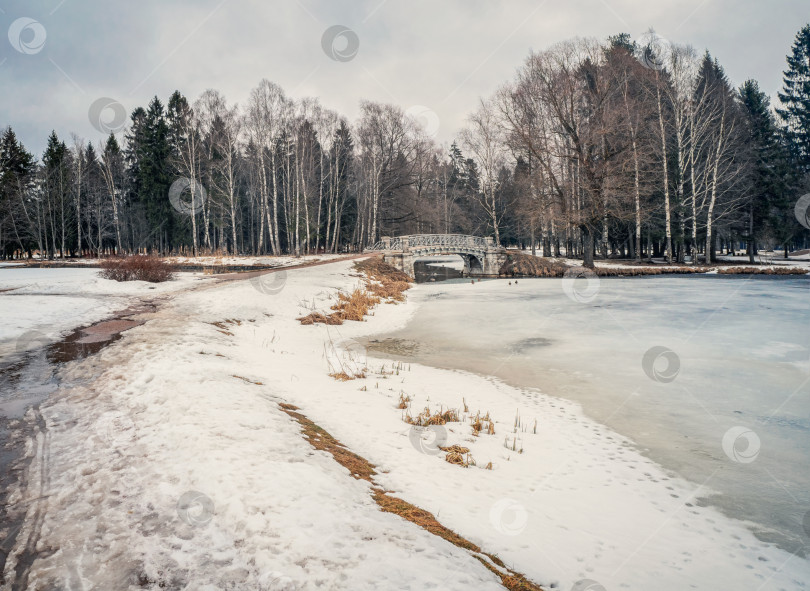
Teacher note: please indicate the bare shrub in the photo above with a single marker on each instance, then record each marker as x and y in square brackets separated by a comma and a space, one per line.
[521, 265]
[137, 268]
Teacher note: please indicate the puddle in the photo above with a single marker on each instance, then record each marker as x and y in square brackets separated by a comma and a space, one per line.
[26, 382]
[396, 347]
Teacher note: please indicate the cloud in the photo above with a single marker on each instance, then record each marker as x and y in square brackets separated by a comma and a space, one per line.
[442, 55]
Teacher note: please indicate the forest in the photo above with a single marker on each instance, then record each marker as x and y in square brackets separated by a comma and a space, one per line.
[618, 148]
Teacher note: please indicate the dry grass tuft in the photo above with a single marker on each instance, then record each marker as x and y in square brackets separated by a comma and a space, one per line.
[318, 318]
[359, 467]
[458, 455]
[456, 449]
[484, 423]
[342, 376]
[425, 418]
[221, 328]
[249, 381]
[362, 469]
[384, 283]
[404, 401]
[137, 268]
[354, 306]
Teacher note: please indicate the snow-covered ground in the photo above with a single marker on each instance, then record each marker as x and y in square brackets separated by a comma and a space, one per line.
[38, 305]
[250, 261]
[183, 410]
[209, 260]
[58, 300]
[763, 258]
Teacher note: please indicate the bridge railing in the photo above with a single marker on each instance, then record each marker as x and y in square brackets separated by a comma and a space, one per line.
[449, 241]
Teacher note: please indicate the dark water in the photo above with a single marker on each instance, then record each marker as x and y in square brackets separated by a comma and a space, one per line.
[427, 271]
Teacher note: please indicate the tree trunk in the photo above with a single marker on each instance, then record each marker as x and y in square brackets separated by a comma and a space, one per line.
[587, 253]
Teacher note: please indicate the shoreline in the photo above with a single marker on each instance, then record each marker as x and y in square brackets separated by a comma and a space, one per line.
[416, 347]
[214, 368]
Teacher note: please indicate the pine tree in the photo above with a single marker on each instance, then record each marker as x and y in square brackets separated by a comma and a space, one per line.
[795, 99]
[17, 168]
[769, 163]
[56, 187]
[149, 158]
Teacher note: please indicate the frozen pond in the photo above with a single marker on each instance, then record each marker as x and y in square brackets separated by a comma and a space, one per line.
[721, 398]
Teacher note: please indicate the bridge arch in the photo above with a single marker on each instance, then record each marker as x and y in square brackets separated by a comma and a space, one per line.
[481, 256]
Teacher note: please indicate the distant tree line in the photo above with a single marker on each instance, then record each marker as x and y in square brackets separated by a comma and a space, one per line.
[623, 148]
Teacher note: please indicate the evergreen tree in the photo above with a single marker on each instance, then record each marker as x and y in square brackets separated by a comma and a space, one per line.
[17, 169]
[152, 152]
[795, 99]
[769, 169]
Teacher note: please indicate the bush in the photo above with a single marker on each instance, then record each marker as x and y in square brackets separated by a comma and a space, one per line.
[137, 268]
[523, 265]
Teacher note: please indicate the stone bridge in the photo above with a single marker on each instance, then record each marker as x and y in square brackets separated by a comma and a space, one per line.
[481, 256]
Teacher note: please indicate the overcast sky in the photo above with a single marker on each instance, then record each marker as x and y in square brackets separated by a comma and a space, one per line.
[441, 54]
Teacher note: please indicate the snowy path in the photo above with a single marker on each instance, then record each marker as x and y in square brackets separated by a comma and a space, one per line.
[162, 413]
[189, 402]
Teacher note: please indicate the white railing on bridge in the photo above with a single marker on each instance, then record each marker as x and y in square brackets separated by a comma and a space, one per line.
[449, 241]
